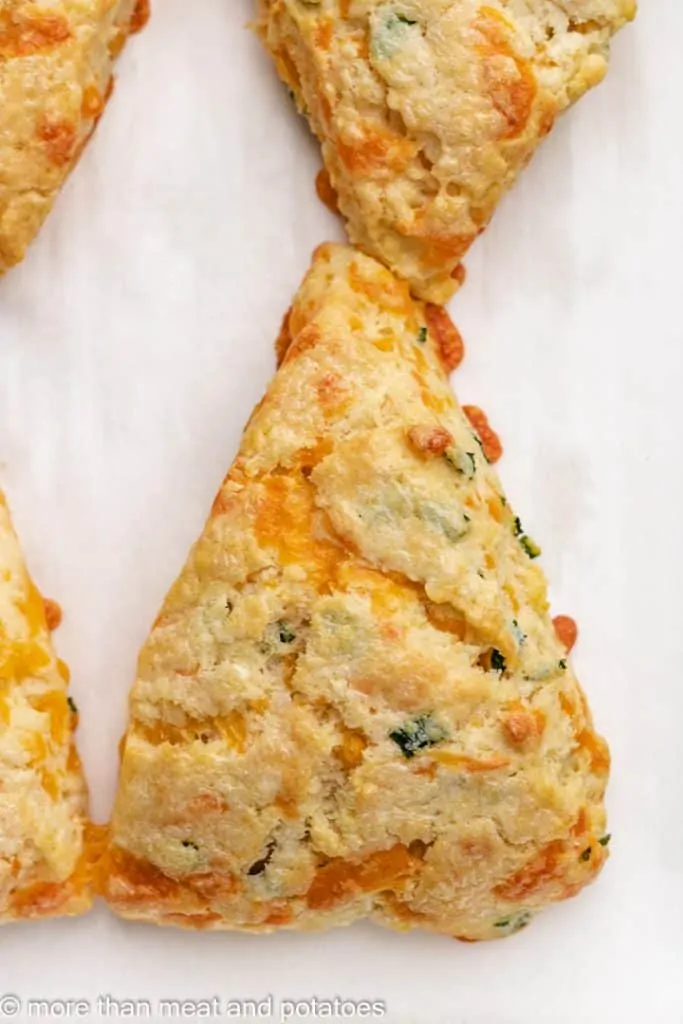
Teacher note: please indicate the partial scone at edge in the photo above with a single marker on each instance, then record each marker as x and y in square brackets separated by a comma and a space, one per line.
[428, 110]
[55, 79]
[43, 799]
[353, 702]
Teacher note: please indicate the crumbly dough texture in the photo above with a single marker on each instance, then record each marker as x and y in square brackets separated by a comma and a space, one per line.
[427, 110]
[353, 702]
[55, 78]
[42, 793]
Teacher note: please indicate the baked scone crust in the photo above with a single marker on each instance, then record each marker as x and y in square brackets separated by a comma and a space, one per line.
[353, 702]
[43, 869]
[427, 110]
[55, 79]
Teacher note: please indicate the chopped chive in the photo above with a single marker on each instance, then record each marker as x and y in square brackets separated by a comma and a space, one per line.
[520, 636]
[285, 633]
[531, 547]
[498, 663]
[418, 734]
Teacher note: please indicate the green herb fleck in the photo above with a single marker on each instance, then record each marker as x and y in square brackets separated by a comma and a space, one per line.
[498, 663]
[520, 637]
[418, 734]
[563, 664]
[503, 501]
[433, 515]
[605, 840]
[422, 335]
[285, 634]
[463, 462]
[260, 866]
[72, 705]
[586, 855]
[390, 35]
[519, 529]
[531, 547]
[515, 923]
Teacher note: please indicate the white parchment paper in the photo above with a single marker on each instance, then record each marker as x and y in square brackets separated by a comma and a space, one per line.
[135, 340]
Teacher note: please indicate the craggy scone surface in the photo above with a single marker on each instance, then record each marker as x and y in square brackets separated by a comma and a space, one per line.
[353, 701]
[428, 109]
[55, 76]
[42, 794]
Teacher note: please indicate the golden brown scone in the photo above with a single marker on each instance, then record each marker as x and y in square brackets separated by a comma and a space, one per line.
[55, 78]
[42, 793]
[427, 110]
[353, 702]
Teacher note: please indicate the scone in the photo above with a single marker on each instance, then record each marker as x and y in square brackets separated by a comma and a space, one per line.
[353, 702]
[55, 78]
[427, 110]
[42, 794]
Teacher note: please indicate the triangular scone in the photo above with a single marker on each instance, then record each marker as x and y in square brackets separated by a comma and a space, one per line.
[353, 702]
[427, 110]
[55, 78]
[42, 793]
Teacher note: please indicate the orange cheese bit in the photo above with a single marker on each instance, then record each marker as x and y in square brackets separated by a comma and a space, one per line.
[446, 335]
[459, 274]
[286, 524]
[59, 139]
[512, 92]
[341, 880]
[461, 762]
[279, 914]
[350, 751]
[53, 614]
[323, 34]
[284, 338]
[490, 442]
[22, 35]
[307, 338]
[326, 191]
[139, 880]
[567, 631]
[92, 103]
[597, 750]
[141, 15]
[429, 441]
[522, 726]
[531, 879]
[373, 149]
[230, 729]
[117, 43]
